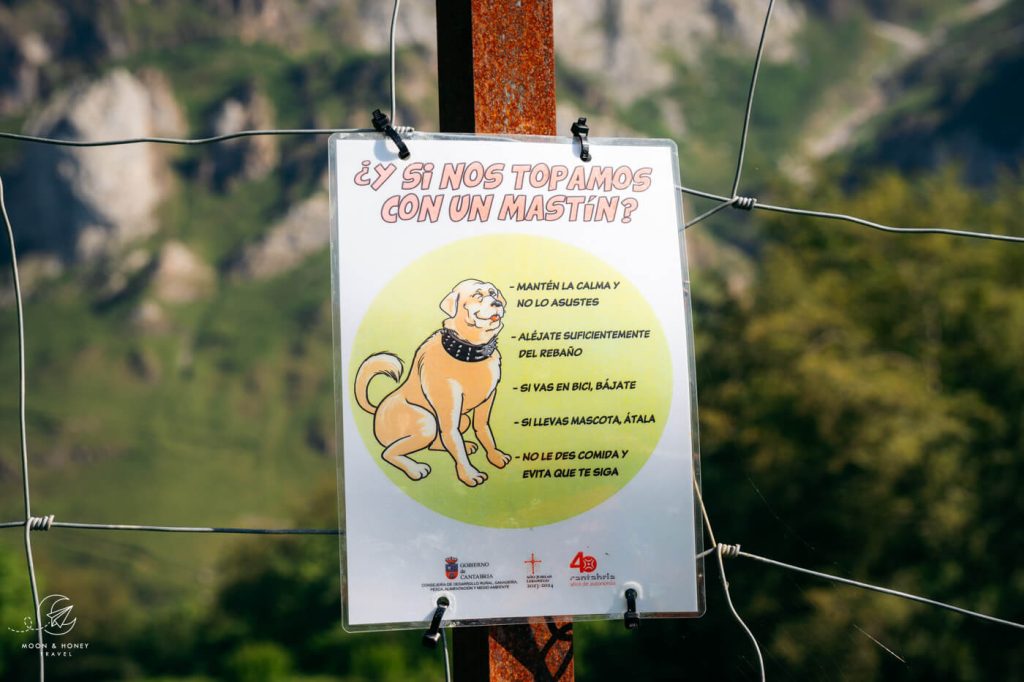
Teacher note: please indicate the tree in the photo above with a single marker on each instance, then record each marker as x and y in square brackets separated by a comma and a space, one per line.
[860, 414]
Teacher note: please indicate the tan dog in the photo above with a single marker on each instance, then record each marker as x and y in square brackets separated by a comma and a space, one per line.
[454, 372]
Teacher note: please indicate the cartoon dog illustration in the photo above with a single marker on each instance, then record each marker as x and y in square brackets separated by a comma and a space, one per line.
[455, 372]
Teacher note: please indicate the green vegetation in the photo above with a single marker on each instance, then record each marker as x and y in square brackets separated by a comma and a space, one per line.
[15, 606]
[857, 417]
[861, 394]
[860, 405]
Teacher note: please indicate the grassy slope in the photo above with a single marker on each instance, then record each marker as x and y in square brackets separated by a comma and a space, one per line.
[226, 419]
[126, 428]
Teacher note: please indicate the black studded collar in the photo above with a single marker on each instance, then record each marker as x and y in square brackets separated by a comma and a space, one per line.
[464, 351]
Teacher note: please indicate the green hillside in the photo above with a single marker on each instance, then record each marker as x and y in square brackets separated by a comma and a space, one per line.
[957, 104]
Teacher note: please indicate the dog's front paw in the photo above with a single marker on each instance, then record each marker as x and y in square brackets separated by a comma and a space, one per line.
[471, 447]
[470, 476]
[498, 458]
[417, 470]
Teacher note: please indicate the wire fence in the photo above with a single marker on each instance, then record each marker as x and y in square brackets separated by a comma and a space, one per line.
[48, 522]
[721, 551]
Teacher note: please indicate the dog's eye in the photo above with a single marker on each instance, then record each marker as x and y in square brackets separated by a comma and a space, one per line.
[478, 296]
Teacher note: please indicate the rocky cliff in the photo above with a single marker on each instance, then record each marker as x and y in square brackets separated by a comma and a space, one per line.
[84, 202]
[650, 67]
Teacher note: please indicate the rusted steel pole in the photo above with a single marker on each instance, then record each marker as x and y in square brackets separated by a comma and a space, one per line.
[496, 74]
[496, 66]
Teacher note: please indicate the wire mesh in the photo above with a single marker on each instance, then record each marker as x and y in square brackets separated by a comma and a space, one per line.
[32, 523]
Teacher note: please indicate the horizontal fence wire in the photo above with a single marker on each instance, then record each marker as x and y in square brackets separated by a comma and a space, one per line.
[721, 551]
[179, 140]
[749, 203]
[43, 526]
[734, 550]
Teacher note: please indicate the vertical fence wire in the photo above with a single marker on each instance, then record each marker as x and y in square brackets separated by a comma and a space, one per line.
[23, 433]
[750, 99]
[394, 29]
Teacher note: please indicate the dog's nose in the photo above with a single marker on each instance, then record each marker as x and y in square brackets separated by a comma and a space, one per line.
[496, 303]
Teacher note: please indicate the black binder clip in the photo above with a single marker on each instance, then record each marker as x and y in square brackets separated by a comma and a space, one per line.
[382, 124]
[580, 130]
[433, 634]
[630, 618]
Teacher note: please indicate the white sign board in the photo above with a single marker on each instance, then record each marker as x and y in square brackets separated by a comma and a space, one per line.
[514, 378]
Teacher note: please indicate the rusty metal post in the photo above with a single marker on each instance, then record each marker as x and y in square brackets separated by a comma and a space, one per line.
[496, 66]
[496, 74]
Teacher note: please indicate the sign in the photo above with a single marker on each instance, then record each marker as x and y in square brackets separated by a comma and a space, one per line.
[514, 380]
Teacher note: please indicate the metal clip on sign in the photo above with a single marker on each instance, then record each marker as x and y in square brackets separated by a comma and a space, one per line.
[433, 633]
[580, 131]
[630, 618]
[382, 124]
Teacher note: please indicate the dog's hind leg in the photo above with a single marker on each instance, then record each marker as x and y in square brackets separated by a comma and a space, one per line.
[397, 453]
[448, 408]
[464, 425]
[403, 428]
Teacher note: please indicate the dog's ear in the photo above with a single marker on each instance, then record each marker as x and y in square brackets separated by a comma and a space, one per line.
[450, 304]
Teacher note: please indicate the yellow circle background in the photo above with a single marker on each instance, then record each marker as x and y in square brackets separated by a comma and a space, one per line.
[406, 311]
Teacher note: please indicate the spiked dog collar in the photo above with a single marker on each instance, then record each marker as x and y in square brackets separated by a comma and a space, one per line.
[466, 352]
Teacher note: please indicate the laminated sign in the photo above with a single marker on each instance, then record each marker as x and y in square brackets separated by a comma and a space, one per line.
[515, 385]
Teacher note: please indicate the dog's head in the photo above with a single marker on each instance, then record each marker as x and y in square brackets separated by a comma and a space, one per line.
[475, 310]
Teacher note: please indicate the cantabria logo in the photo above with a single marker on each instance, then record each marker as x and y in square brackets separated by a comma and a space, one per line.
[583, 563]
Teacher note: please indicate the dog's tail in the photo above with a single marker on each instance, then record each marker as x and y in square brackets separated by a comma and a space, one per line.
[381, 363]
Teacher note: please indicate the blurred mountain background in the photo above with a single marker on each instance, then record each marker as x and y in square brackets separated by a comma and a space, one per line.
[862, 395]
